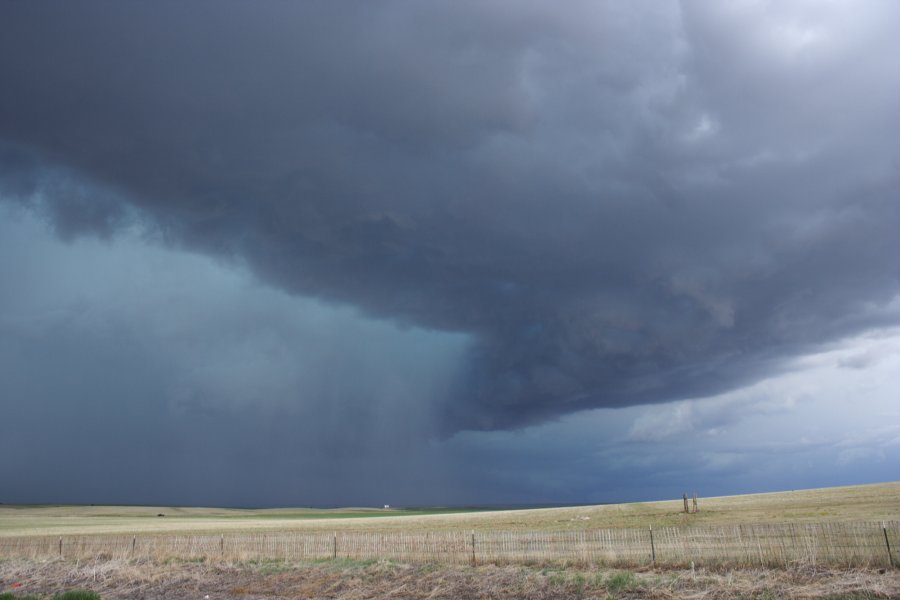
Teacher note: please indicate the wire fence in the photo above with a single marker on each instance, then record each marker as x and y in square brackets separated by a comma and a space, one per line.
[845, 544]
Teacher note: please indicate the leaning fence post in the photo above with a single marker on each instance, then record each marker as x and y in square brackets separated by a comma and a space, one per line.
[652, 547]
[473, 548]
[887, 543]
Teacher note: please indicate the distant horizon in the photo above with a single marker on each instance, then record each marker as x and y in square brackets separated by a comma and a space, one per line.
[473, 507]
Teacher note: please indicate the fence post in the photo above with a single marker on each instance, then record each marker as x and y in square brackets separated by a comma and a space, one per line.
[133, 542]
[334, 546]
[222, 544]
[60, 545]
[652, 547]
[887, 543]
[473, 548]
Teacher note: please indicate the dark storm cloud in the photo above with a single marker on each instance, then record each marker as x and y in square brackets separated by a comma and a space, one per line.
[620, 203]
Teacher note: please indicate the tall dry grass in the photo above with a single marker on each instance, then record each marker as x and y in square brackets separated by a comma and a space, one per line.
[348, 580]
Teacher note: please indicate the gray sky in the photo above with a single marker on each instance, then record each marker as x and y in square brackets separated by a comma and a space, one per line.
[448, 252]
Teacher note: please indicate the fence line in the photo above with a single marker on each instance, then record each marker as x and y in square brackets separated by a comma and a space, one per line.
[845, 544]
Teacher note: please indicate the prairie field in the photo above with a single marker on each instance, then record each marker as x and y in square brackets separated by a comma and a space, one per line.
[852, 503]
[130, 552]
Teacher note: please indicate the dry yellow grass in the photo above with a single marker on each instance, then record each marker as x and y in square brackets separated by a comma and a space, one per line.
[348, 580]
[866, 502]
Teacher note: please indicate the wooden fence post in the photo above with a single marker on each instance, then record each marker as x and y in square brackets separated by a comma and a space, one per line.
[887, 543]
[652, 547]
[334, 546]
[685, 503]
[133, 542]
[60, 545]
[222, 544]
[473, 548]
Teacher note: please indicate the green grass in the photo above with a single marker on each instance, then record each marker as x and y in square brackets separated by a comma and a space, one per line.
[268, 566]
[344, 564]
[575, 581]
[624, 581]
[77, 595]
[70, 595]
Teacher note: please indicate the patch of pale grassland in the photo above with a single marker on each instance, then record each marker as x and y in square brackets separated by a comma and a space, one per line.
[864, 502]
[345, 580]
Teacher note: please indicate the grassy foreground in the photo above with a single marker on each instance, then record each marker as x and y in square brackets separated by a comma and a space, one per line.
[346, 580]
[865, 502]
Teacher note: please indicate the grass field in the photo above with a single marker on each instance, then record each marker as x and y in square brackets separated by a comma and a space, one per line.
[196, 571]
[866, 502]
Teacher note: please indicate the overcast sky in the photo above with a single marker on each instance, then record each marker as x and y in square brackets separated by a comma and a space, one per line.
[319, 253]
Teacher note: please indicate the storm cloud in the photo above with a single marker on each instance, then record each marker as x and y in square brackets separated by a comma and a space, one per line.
[612, 203]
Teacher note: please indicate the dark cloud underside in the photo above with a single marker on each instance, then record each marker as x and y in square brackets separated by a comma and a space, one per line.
[620, 203]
